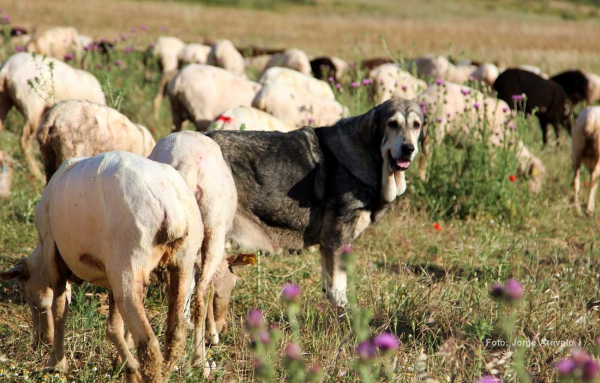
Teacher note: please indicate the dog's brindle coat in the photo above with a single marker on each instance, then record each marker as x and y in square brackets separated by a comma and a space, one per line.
[321, 186]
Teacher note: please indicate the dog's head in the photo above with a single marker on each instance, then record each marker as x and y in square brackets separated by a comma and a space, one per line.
[402, 126]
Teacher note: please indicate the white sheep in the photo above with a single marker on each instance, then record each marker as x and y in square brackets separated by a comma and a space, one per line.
[56, 42]
[111, 220]
[295, 106]
[586, 150]
[293, 59]
[223, 54]
[6, 174]
[391, 81]
[488, 73]
[593, 87]
[250, 118]
[459, 74]
[78, 128]
[199, 93]
[317, 88]
[193, 54]
[429, 67]
[51, 81]
[166, 52]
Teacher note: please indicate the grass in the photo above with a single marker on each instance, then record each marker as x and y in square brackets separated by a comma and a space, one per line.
[428, 287]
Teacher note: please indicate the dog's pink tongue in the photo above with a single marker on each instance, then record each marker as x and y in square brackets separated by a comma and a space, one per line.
[402, 164]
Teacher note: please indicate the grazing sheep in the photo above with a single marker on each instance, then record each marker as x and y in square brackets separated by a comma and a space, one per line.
[373, 63]
[56, 42]
[193, 54]
[111, 220]
[317, 88]
[593, 88]
[200, 162]
[199, 93]
[586, 149]
[257, 64]
[66, 83]
[166, 52]
[531, 167]
[78, 128]
[293, 59]
[329, 66]
[488, 73]
[391, 81]
[459, 74]
[575, 84]
[297, 107]
[6, 174]
[224, 55]
[429, 67]
[547, 96]
[250, 118]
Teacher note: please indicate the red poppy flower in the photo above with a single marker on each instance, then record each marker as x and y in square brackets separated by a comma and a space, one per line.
[224, 118]
[437, 226]
[512, 178]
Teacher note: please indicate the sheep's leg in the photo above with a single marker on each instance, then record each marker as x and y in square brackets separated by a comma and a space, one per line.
[60, 310]
[593, 187]
[115, 332]
[576, 186]
[26, 149]
[5, 105]
[211, 325]
[544, 125]
[180, 280]
[199, 358]
[128, 295]
[162, 90]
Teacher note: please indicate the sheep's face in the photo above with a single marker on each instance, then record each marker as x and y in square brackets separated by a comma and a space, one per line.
[38, 294]
[404, 126]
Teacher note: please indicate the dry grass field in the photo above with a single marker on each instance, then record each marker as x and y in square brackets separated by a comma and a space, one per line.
[423, 273]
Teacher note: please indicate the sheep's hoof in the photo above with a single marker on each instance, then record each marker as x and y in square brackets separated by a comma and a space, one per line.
[589, 213]
[56, 366]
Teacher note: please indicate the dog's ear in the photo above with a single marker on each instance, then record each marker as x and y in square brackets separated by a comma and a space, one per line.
[424, 135]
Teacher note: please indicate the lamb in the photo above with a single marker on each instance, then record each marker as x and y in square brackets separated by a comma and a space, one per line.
[6, 174]
[250, 118]
[200, 162]
[223, 54]
[293, 59]
[75, 128]
[56, 42]
[32, 103]
[200, 92]
[111, 220]
[391, 81]
[586, 150]
[297, 107]
[193, 54]
[166, 52]
[317, 88]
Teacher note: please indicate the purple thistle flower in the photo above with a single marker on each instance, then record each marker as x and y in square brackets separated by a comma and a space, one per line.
[354, 84]
[133, 30]
[424, 109]
[143, 28]
[464, 91]
[439, 81]
[86, 47]
[367, 81]
[19, 48]
[404, 87]
[565, 367]
[505, 109]
[517, 97]
[292, 352]
[104, 40]
[448, 115]
[513, 289]
[151, 45]
[366, 350]
[346, 249]
[99, 66]
[5, 19]
[290, 292]
[512, 127]
[488, 379]
[476, 105]
[311, 120]
[579, 357]
[68, 57]
[128, 49]
[123, 37]
[330, 79]
[338, 85]
[255, 319]
[527, 115]
[386, 342]
[590, 370]
[118, 62]
[440, 120]
[264, 337]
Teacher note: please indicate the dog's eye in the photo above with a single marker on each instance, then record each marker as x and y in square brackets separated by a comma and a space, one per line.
[417, 124]
[393, 124]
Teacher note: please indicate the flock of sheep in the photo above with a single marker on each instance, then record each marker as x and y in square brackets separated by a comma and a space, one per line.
[119, 216]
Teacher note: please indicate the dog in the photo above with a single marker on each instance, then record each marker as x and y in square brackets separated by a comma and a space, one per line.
[321, 185]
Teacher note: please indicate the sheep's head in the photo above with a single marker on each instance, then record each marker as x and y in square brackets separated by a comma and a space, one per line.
[36, 290]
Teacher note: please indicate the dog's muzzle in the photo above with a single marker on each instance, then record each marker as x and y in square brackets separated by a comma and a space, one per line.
[398, 164]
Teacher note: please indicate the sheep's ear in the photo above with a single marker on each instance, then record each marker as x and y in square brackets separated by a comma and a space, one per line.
[242, 259]
[19, 270]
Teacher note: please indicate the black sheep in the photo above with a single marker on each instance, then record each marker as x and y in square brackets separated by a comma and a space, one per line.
[547, 96]
[574, 83]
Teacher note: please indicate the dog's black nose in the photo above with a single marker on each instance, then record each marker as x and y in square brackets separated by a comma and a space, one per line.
[407, 149]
